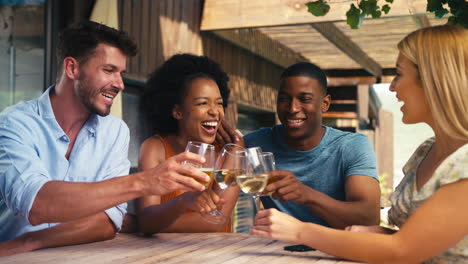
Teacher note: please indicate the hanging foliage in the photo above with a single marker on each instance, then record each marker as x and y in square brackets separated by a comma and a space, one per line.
[458, 9]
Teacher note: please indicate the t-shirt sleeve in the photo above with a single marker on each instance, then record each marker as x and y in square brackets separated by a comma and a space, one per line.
[22, 173]
[359, 157]
[120, 167]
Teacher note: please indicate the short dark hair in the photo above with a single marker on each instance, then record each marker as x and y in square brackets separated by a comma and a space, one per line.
[307, 69]
[80, 39]
[167, 84]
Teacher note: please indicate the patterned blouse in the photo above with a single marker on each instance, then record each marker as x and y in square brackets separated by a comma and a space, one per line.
[406, 199]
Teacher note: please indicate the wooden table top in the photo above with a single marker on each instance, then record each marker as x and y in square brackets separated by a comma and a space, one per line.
[176, 248]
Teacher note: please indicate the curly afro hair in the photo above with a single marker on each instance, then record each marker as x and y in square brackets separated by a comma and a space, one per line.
[166, 87]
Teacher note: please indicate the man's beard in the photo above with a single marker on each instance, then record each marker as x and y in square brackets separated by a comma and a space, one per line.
[86, 95]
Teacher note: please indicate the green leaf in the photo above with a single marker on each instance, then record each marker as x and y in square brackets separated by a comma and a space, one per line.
[434, 5]
[354, 17]
[389, 1]
[452, 20]
[318, 8]
[462, 18]
[376, 14]
[440, 13]
[386, 9]
[368, 6]
[456, 6]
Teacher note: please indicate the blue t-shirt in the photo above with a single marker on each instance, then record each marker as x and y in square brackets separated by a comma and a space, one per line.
[324, 168]
[32, 153]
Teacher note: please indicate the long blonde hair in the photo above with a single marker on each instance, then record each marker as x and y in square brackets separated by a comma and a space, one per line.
[440, 54]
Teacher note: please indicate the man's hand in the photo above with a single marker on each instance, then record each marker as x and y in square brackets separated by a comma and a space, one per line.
[286, 187]
[18, 245]
[170, 175]
[226, 134]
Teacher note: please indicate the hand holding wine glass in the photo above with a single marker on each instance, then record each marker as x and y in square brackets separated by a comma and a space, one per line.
[208, 152]
[226, 170]
[256, 175]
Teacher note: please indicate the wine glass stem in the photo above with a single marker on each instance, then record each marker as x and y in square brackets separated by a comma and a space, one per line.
[256, 199]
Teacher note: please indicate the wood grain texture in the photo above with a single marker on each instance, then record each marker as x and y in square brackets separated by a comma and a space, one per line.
[176, 248]
[229, 14]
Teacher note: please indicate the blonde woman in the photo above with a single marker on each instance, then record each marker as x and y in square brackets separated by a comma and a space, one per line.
[430, 204]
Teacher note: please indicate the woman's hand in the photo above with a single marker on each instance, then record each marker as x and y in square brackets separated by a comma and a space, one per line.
[277, 225]
[370, 229]
[203, 202]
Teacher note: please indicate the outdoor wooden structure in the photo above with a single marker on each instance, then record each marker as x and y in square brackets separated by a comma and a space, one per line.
[327, 41]
[331, 44]
[176, 248]
[254, 40]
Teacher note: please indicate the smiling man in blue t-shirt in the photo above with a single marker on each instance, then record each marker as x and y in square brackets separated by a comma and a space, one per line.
[326, 176]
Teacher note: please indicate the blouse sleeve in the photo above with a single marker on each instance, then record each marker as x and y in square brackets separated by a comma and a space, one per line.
[454, 168]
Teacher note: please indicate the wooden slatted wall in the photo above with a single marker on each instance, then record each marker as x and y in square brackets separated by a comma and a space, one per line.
[163, 28]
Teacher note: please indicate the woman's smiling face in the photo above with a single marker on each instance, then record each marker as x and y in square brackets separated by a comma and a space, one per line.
[201, 111]
[409, 89]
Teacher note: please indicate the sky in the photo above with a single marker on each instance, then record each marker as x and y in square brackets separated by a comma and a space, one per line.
[406, 138]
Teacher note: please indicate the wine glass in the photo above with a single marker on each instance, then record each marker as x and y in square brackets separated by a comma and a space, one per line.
[255, 178]
[225, 172]
[208, 152]
[270, 163]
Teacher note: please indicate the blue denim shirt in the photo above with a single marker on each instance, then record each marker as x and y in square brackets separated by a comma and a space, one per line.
[32, 152]
[324, 168]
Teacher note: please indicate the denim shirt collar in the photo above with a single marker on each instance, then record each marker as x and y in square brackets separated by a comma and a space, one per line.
[46, 111]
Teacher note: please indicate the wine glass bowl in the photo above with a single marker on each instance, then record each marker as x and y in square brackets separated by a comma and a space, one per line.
[256, 173]
[208, 152]
[227, 165]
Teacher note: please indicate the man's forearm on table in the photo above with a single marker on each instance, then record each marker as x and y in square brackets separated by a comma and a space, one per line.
[59, 201]
[89, 229]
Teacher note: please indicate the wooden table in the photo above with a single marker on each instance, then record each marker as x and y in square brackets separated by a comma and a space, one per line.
[176, 248]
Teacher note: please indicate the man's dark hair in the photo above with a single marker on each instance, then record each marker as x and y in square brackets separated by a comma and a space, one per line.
[79, 41]
[167, 85]
[308, 70]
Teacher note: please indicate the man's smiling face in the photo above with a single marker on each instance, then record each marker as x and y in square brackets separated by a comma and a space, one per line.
[300, 104]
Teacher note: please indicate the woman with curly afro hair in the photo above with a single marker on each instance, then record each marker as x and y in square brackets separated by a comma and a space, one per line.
[184, 100]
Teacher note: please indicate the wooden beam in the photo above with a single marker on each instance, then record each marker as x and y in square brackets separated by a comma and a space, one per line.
[229, 14]
[338, 81]
[347, 46]
[340, 115]
[261, 45]
[421, 21]
[363, 102]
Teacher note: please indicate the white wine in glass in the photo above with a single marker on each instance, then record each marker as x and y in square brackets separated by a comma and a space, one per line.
[208, 152]
[226, 177]
[226, 170]
[252, 184]
[255, 179]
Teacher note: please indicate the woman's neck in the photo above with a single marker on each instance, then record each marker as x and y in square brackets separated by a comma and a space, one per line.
[445, 145]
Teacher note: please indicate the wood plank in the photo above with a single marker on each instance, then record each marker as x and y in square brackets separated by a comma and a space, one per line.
[261, 45]
[211, 248]
[337, 81]
[340, 115]
[363, 102]
[145, 35]
[347, 46]
[136, 31]
[229, 14]
[344, 101]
